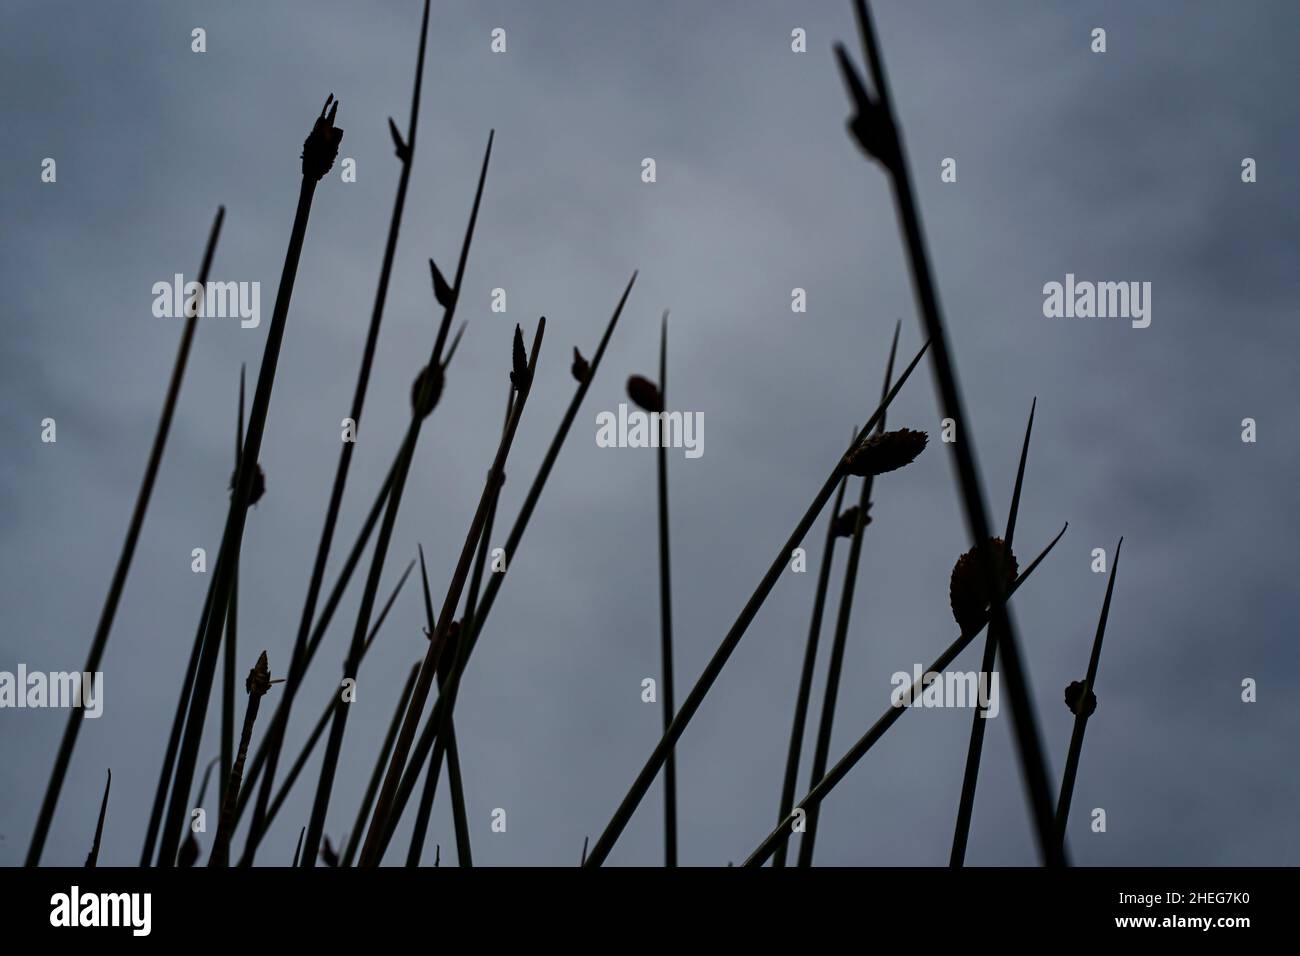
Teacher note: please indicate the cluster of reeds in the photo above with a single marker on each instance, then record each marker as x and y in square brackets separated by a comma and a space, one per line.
[421, 735]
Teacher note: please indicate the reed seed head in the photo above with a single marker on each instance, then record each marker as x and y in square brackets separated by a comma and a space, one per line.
[1073, 694]
[259, 484]
[580, 368]
[967, 589]
[434, 376]
[518, 362]
[321, 146]
[259, 678]
[645, 393]
[846, 525]
[887, 451]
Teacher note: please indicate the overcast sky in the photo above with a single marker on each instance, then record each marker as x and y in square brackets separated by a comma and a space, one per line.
[1122, 166]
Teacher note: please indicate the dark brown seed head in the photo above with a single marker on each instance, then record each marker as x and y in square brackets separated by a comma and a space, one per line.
[322, 143]
[645, 393]
[519, 362]
[846, 524]
[435, 382]
[259, 678]
[888, 451]
[968, 591]
[579, 368]
[259, 484]
[1072, 695]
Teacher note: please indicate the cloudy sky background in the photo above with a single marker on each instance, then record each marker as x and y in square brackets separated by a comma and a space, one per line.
[1122, 166]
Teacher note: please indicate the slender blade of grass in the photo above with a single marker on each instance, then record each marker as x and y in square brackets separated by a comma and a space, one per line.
[978, 722]
[298, 662]
[100, 640]
[732, 639]
[329, 765]
[846, 763]
[1028, 739]
[1081, 718]
[831, 694]
[666, 617]
[363, 814]
[92, 859]
[806, 674]
[322, 142]
[470, 635]
[401, 751]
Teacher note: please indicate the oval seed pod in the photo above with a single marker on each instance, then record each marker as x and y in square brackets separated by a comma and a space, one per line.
[1073, 693]
[644, 393]
[887, 451]
[967, 588]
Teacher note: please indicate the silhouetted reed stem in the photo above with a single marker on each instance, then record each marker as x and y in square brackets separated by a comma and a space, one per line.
[298, 663]
[732, 639]
[426, 742]
[319, 151]
[232, 638]
[381, 761]
[966, 805]
[809, 666]
[329, 765]
[258, 683]
[523, 378]
[100, 640]
[1083, 713]
[334, 700]
[878, 132]
[92, 859]
[846, 763]
[834, 669]
[666, 616]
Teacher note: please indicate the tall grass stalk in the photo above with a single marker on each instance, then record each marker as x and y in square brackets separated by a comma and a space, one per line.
[258, 683]
[100, 640]
[523, 375]
[232, 638]
[334, 700]
[877, 131]
[329, 765]
[381, 761]
[666, 615]
[319, 152]
[1083, 712]
[405, 152]
[732, 639]
[426, 741]
[966, 805]
[809, 666]
[92, 859]
[817, 794]
[834, 669]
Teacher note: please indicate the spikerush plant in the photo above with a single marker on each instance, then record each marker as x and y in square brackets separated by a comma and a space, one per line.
[464, 852]
[329, 764]
[105, 626]
[804, 694]
[258, 683]
[1082, 701]
[327, 614]
[733, 637]
[837, 773]
[426, 742]
[882, 457]
[970, 778]
[522, 375]
[318, 154]
[405, 150]
[876, 130]
[334, 700]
